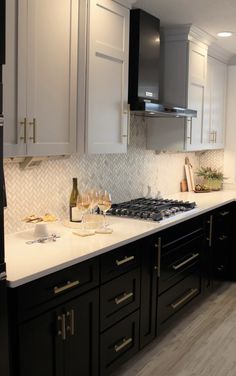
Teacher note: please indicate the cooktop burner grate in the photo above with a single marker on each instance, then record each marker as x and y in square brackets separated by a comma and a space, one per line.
[150, 209]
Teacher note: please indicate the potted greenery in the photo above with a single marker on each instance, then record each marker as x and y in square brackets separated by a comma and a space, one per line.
[212, 178]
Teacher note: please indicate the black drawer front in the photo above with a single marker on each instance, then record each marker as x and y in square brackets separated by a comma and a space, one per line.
[223, 219]
[179, 262]
[178, 296]
[119, 298]
[119, 343]
[181, 233]
[120, 261]
[57, 287]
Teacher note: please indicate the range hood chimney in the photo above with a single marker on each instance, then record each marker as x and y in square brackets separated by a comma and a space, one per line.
[144, 69]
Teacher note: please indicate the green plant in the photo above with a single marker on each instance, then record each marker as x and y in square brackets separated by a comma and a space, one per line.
[210, 173]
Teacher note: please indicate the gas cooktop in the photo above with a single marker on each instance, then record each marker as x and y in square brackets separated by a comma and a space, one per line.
[150, 209]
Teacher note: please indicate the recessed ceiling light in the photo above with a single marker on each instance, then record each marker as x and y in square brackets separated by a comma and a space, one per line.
[225, 34]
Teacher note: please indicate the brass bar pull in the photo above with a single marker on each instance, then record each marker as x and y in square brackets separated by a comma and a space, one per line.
[189, 120]
[69, 285]
[124, 260]
[194, 256]
[210, 231]
[61, 320]
[71, 327]
[24, 123]
[212, 138]
[123, 297]
[125, 342]
[184, 298]
[215, 138]
[157, 265]
[224, 213]
[128, 125]
[223, 237]
[34, 130]
[127, 135]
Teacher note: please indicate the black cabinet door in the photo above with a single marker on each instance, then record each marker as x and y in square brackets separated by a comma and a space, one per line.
[148, 307]
[221, 243]
[40, 347]
[82, 343]
[61, 342]
[219, 246]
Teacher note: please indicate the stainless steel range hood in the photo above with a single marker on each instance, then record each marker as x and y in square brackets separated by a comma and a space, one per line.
[150, 109]
[144, 69]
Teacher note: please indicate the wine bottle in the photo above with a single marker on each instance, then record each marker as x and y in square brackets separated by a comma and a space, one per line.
[75, 215]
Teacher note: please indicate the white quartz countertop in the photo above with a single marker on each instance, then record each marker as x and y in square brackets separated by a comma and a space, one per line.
[26, 263]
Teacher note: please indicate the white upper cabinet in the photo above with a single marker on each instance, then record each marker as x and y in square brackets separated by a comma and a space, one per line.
[185, 75]
[197, 81]
[197, 78]
[40, 81]
[215, 103]
[107, 78]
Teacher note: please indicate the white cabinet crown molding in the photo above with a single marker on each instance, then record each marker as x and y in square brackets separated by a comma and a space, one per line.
[125, 3]
[187, 32]
[219, 53]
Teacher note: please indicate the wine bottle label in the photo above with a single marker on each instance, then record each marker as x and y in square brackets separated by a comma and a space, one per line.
[75, 214]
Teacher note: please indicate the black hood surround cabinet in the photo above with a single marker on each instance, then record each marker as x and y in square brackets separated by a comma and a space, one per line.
[144, 69]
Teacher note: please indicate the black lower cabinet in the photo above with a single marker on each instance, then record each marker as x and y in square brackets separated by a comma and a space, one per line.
[90, 318]
[61, 342]
[219, 245]
[149, 280]
[119, 343]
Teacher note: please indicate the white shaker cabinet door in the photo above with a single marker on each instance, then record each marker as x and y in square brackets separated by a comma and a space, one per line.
[14, 95]
[40, 77]
[217, 103]
[52, 76]
[197, 76]
[214, 117]
[107, 80]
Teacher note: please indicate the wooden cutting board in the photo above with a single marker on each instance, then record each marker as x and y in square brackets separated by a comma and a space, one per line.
[189, 175]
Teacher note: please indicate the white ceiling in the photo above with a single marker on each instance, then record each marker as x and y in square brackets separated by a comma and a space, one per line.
[211, 16]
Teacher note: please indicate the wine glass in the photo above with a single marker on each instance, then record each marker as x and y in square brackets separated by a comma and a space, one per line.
[104, 204]
[83, 204]
[93, 194]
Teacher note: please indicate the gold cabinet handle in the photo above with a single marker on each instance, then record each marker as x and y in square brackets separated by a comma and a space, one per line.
[209, 239]
[212, 137]
[69, 285]
[125, 296]
[24, 137]
[194, 256]
[157, 265]
[215, 136]
[124, 260]
[189, 120]
[223, 237]
[34, 130]
[71, 326]
[184, 298]
[125, 342]
[61, 320]
[224, 213]
[128, 124]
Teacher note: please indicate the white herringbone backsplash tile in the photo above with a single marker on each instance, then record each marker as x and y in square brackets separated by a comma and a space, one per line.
[47, 187]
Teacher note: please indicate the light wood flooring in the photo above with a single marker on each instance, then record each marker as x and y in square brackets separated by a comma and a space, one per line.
[203, 343]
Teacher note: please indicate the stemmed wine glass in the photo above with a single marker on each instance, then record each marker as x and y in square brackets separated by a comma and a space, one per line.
[83, 204]
[104, 204]
[93, 194]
